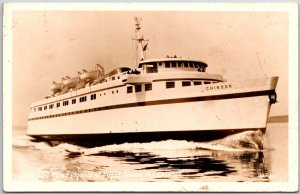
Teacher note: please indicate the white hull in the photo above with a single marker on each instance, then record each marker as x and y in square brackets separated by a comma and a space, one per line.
[245, 105]
[237, 113]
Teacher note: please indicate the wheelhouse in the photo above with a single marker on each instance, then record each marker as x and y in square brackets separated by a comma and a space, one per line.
[174, 64]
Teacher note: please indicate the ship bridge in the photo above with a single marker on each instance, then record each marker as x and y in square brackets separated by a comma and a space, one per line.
[172, 64]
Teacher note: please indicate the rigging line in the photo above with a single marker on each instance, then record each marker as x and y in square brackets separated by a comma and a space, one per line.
[134, 60]
[136, 55]
[131, 60]
[260, 65]
[133, 51]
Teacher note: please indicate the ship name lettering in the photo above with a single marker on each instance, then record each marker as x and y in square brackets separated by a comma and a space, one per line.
[218, 87]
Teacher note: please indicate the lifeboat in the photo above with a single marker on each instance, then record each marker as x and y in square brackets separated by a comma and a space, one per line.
[100, 79]
[80, 85]
[118, 70]
[89, 76]
[56, 87]
[93, 75]
[70, 82]
[64, 90]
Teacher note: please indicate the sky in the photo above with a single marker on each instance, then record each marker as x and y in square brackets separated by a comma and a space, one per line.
[48, 45]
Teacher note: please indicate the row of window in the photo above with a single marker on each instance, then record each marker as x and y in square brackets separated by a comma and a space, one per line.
[171, 84]
[82, 99]
[76, 112]
[187, 64]
[137, 88]
[93, 97]
[65, 103]
[114, 78]
[188, 83]
[175, 64]
[70, 113]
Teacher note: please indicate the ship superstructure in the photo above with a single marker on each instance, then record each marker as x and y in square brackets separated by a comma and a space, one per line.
[163, 98]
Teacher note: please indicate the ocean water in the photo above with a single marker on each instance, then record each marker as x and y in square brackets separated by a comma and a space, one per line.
[244, 157]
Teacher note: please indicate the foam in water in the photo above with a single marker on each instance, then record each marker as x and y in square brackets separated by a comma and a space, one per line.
[244, 141]
[247, 140]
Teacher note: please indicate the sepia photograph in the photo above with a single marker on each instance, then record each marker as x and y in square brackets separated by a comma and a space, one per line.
[150, 97]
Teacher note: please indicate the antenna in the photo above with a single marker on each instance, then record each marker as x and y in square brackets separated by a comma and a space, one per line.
[260, 64]
[140, 39]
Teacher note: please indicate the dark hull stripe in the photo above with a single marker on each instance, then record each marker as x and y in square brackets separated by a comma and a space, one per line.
[92, 140]
[160, 102]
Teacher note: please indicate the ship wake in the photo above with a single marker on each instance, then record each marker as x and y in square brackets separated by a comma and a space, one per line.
[244, 141]
[247, 140]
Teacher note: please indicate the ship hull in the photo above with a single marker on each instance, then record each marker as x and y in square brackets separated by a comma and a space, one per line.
[194, 118]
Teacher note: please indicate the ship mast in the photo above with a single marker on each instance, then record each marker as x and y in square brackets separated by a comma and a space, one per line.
[139, 38]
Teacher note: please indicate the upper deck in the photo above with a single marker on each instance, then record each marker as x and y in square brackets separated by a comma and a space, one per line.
[145, 74]
[172, 64]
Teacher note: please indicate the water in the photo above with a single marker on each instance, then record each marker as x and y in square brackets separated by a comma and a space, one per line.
[236, 158]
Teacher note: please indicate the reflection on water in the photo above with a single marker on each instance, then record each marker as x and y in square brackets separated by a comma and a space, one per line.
[195, 165]
[209, 163]
[222, 160]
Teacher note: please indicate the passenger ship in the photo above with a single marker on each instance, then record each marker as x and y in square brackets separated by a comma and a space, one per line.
[165, 98]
